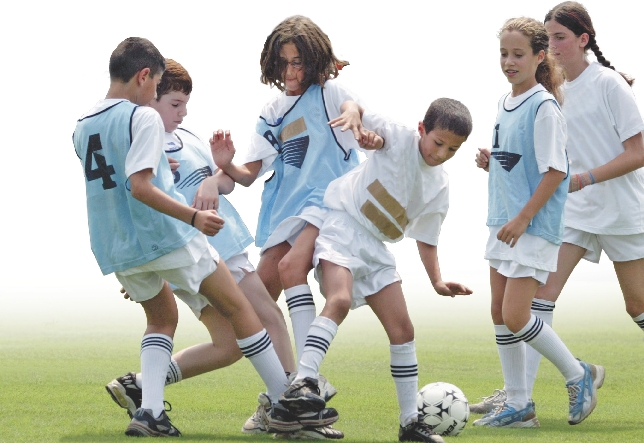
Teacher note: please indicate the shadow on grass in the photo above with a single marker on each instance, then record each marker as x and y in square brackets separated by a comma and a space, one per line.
[112, 436]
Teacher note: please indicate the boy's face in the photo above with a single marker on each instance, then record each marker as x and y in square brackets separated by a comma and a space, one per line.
[438, 145]
[172, 107]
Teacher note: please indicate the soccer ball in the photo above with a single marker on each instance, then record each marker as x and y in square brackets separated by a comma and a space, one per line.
[443, 407]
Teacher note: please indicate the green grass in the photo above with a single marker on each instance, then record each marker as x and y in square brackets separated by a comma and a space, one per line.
[51, 389]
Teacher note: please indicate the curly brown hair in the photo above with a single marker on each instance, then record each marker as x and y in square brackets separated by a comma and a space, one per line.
[575, 17]
[319, 63]
[175, 78]
[549, 73]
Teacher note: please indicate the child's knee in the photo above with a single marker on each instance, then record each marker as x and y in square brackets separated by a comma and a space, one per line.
[293, 270]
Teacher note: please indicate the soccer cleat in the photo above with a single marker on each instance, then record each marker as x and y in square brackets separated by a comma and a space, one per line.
[418, 431]
[582, 395]
[308, 433]
[327, 390]
[281, 420]
[490, 403]
[303, 396]
[505, 416]
[144, 424]
[258, 422]
[126, 393]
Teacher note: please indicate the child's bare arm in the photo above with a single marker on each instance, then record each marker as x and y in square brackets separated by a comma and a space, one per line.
[223, 151]
[512, 230]
[351, 118]
[207, 195]
[429, 256]
[142, 188]
[483, 159]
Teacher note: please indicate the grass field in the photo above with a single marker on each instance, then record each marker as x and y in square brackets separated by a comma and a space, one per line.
[51, 388]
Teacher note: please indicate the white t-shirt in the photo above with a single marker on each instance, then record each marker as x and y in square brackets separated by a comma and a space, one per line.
[334, 95]
[148, 135]
[549, 132]
[601, 113]
[412, 196]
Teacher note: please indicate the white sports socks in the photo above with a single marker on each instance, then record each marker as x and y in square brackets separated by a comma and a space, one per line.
[546, 341]
[404, 370]
[156, 350]
[544, 310]
[301, 308]
[512, 356]
[319, 339]
[639, 320]
[174, 373]
[258, 348]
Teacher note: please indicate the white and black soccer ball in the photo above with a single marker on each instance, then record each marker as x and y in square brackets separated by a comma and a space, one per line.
[443, 407]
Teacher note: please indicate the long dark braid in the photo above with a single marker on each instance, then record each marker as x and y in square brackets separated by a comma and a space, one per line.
[574, 16]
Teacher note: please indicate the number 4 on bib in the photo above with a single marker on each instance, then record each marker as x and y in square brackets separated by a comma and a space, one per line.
[102, 170]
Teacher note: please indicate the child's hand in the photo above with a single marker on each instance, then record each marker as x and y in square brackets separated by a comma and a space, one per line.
[208, 222]
[483, 159]
[207, 195]
[512, 230]
[174, 164]
[451, 289]
[222, 148]
[371, 140]
[350, 119]
[125, 294]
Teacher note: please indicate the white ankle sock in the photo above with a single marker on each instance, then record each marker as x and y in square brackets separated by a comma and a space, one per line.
[404, 370]
[319, 339]
[546, 341]
[301, 308]
[156, 350]
[512, 356]
[258, 348]
[544, 310]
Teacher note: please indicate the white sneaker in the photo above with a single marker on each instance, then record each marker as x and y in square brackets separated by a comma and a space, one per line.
[307, 433]
[258, 422]
[327, 390]
[490, 403]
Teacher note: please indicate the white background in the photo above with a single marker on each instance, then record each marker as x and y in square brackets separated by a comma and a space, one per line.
[403, 54]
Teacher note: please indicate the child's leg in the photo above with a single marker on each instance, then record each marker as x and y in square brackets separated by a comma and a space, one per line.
[544, 302]
[271, 316]
[337, 282]
[224, 294]
[511, 349]
[389, 306]
[293, 271]
[267, 268]
[156, 347]
[630, 275]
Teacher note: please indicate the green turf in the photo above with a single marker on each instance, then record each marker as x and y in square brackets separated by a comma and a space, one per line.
[51, 389]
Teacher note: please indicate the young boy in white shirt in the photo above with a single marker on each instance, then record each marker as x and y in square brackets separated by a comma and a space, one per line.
[400, 190]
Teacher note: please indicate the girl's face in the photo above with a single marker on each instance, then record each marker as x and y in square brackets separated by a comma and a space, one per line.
[518, 63]
[565, 46]
[293, 74]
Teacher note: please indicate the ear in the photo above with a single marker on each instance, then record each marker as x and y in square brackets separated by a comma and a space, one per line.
[541, 56]
[143, 75]
[421, 128]
[584, 39]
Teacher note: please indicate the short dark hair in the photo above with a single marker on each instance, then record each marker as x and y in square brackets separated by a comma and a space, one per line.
[131, 56]
[175, 78]
[318, 60]
[449, 114]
